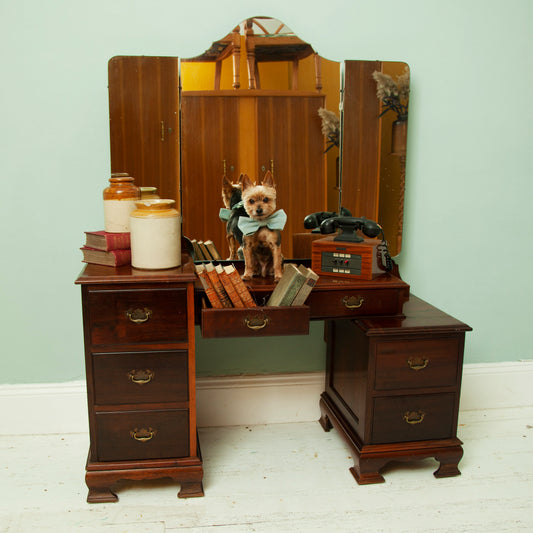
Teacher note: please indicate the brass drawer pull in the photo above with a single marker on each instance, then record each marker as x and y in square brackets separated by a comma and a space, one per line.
[256, 323]
[143, 434]
[417, 363]
[140, 377]
[139, 315]
[353, 302]
[414, 417]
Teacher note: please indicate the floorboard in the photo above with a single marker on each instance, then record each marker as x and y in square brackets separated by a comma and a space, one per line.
[281, 477]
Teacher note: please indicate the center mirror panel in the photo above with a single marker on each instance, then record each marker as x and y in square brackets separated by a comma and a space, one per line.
[250, 104]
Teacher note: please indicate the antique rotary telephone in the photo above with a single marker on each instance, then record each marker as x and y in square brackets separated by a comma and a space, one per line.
[346, 261]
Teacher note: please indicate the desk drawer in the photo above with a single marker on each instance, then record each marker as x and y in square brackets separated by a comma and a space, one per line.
[143, 377]
[408, 364]
[255, 321]
[356, 302]
[129, 316]
[412, 418]
[142, 435]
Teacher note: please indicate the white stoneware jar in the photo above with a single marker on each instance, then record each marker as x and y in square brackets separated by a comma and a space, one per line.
[155, 228]
[119, 202]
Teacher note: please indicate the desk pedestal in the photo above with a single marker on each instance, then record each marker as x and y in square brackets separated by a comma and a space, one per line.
[393, 387]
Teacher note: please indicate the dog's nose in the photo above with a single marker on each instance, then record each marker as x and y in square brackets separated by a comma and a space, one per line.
[259, 211]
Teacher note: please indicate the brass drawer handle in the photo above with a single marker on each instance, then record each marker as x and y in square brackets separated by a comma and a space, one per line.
[139, 315]
[353, 302]
[256, 323]
[143, 434]
[140, 377]
[414, 417]
[417, 363]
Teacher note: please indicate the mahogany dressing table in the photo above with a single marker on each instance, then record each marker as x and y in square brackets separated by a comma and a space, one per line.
[392, 382]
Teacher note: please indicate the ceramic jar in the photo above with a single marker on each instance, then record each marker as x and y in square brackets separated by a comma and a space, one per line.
[119, 202]
[155, 228]
[148, 193]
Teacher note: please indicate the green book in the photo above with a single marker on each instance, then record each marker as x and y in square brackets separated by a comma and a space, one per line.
[310, 281]
[288, 286]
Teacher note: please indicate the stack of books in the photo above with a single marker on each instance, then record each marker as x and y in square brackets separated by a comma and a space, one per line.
[223, 286]
[205, 251]
[103, 248]
[294, 286]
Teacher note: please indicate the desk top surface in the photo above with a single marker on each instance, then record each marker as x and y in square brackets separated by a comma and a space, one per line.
[417, 315]
[98, 274]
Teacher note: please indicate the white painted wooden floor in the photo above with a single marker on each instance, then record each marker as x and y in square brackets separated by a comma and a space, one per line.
[281, 478]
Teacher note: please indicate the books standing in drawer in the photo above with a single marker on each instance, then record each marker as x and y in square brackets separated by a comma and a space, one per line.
[294, 286]
[239, 285]
[217, 285]
[209, 289]
[224, 287]
[230, 289]
[310, 281]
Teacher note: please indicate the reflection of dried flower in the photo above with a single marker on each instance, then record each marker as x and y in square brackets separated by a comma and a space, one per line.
[330, 127]
[394, 94]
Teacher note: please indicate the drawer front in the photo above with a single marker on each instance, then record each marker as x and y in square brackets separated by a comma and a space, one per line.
[255, 322]
[412, 418]
[408, 364]
[137, 315]
[144, 377]
[350, 303]
[142, 435]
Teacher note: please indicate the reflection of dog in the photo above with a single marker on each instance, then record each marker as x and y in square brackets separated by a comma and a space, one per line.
[262, 230]
[231, 196]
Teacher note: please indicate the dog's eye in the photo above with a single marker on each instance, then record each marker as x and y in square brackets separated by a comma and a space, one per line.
[251, 201]
[265, 200]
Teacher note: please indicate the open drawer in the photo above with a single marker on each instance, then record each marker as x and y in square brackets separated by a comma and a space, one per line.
[255, 321]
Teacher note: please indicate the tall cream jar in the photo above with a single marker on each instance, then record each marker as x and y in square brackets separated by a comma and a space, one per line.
[155, 228]
[119, 201]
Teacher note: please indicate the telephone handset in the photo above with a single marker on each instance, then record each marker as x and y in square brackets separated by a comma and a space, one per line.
[314, 220]
[348, 227]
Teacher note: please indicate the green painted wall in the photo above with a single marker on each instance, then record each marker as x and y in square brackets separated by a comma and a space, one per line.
[469, 171]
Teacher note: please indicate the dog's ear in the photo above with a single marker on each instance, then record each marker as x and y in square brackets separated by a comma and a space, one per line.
[246, 182]
[268, 180]
[226, 184]
[241, 177]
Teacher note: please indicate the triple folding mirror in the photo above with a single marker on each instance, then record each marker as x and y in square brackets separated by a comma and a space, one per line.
[260, 99]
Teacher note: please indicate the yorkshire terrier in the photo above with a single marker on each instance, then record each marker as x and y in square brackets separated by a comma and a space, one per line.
[232, 199]
[261, 229]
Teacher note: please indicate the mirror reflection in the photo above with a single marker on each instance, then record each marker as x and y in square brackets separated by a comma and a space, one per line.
[262, 100]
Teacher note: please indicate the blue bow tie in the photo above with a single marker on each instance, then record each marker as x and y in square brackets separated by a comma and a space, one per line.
[276, 220]
[224, 213]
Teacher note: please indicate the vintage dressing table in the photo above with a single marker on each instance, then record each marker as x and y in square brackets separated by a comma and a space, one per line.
[394, 362]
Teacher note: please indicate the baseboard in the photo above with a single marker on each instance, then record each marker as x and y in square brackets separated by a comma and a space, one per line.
[246, 400]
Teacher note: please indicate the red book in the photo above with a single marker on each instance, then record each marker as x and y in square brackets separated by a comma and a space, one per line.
[102, 240]
[208, 287]
[230, 289]
[109, 258]
[217, 285]
[240, 286]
